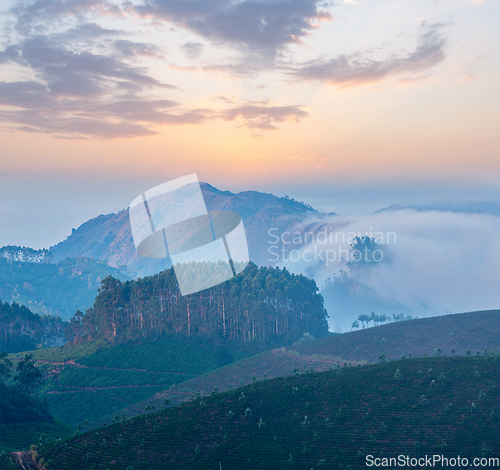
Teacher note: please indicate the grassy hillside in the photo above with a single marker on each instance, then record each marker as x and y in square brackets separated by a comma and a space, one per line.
[54, 288]
[446, 406]
[472, 332]
[95, 381]
[266, 365]
[98, 378]
[450, 334]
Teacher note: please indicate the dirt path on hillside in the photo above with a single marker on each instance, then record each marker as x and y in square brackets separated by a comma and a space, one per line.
[24, 460]
[336, 361]
[75, 388]
[73, 363]
[88, 389]
[281, 353]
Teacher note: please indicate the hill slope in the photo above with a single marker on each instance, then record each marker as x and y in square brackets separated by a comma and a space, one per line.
[473, 331]
[452, 334]
[334, 419]
[97, 379]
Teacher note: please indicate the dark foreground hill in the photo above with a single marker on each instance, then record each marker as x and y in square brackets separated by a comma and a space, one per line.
[444, 406]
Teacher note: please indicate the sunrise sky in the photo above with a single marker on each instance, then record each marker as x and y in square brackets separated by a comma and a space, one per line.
[349, 105]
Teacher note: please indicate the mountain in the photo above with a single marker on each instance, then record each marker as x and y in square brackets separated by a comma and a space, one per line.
[109, 237]
[342, 419]
[467, 207]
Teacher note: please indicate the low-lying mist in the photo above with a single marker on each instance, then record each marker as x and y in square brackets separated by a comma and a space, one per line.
[433, 262]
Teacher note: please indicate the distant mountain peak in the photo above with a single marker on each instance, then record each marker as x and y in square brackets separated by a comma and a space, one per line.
[465, 207]
[109, 237]
[208, 187]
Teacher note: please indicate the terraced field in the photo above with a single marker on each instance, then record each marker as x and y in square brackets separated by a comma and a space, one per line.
[452, 335]
[445, 406]
[97, 380]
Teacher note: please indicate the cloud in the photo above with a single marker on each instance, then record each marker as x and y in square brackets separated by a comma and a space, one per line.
[248, 67]
[129, 49]
[81, 73]
[87, 81]
[262, 116]
[39, 15]
[357, 69]
[79, 117]
[447, 260]
[25, 95]
[76, 116]
[76, 92]
[76, 127]
[86, 32]
[266, 26]
[192, 50]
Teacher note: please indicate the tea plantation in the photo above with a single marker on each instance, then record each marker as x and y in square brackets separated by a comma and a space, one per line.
[436, 405]
[98, 379]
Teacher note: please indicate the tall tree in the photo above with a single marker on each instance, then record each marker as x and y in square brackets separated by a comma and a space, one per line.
[28, 375]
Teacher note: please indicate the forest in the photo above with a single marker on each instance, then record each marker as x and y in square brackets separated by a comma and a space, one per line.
[18, 402]
[49, 288]
[26, 254]
[23, 330]
[260, 304]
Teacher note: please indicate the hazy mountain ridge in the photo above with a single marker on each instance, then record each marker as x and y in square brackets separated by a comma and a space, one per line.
[109, 237]
[467, 207]
[59, 288]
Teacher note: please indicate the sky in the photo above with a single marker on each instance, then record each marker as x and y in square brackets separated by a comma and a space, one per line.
[349, 106]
